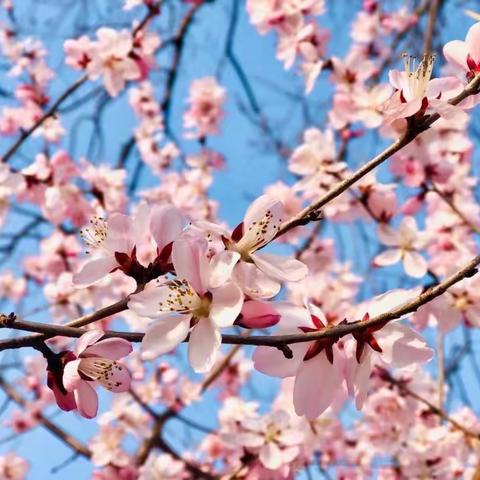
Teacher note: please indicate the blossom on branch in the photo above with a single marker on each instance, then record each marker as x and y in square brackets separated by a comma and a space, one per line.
[416, 93]
[405, 244]
[198, 303]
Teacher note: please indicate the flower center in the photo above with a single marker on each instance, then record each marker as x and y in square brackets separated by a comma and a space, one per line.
[271, 433]
[418, 75]
[95, 235]
[181, 298]
[258, 234]
[101, 370]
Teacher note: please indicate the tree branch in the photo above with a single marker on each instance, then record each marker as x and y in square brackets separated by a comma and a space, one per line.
[278, 341]
[311, 212]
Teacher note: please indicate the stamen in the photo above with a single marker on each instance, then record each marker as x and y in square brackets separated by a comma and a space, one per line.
[181, 298]
[95, 235]
[260, 230]
[418, 75]
[101, 370]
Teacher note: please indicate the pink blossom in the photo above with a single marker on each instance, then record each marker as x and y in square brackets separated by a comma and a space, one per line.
[162, 466]
[13, 288]
[95, 361]
[465, 55]
[114, 243]
[415, 92]
[13, 467]
[292, 205]
[271, 437]
[109, 56]
[79, 52]
[404, 244]
[206, 101]
[393, 344]
[316, 365]
[259, 227]
[199, 302]
[107, 449]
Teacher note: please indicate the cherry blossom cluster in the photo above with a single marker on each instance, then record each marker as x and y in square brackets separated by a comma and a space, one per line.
[115, 56]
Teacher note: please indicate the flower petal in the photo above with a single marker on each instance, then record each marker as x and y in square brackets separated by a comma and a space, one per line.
[415, 265]
[279, 267]
[254, 282]
[387, 235]
[261, 223]
[120, 233]
[473, 41]
[71, 378]
[111, 375]
[272, 362]
[190, 261]
[316, 385]
[402, 346]
[166, 225]
[388, 257]
[457, 52]
[271, 456]
[161, 301]
[452, 113]
[203, 345]
[164, 335]
[112, 348]
[226, 305]
[221, 267]
[87, 339]
[94, 270]
[87, 400]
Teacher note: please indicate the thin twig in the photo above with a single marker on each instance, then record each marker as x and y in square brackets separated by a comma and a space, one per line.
[58, 432]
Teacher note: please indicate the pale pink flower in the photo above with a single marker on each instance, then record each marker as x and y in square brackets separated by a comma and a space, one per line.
[465, 55]
[461, 303]
[316, 365]
[316, 161]
[405, 244]
[107, 449]
[399, 20]
[200, 302]
[108, 185]
[113, 60]
[206, 101]
[162, 466]
[310, 43]
[10, 184]
[13, 467]
[415, 92]
[11, 287]
[352, 71]
[367, 27]
[272, 437]
[392, 344]
[316, 152]
[380, 198]
[109, 56]
[95, 361]
[258, 273]
[368, 104]
[80, 52]
[114, 243]
[292, 205]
